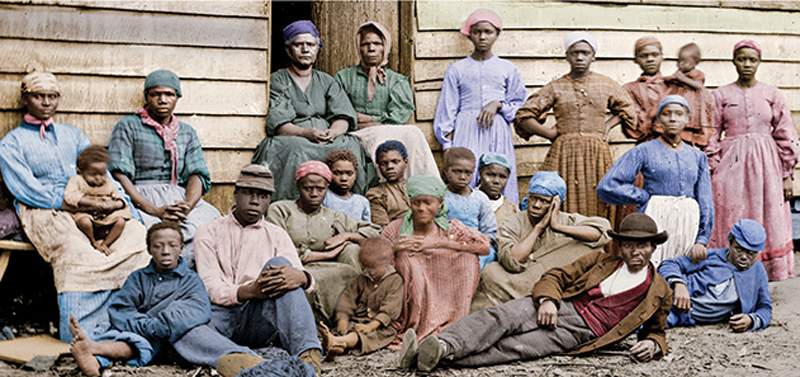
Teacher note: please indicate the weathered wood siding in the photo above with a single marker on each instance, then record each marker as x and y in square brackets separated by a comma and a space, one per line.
[534, 32]
[102, 50]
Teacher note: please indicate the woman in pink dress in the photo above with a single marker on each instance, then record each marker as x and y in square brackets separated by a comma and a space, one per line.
[753, 162]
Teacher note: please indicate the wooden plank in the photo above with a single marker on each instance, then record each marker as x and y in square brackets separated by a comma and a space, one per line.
[245, 8]
[224, 165]
[541, 71]
[217, 132]
[70, 24]
[448, 15]
[221, 197]
[132, 60]
[616, 44]
[96, 94]
[407, 39]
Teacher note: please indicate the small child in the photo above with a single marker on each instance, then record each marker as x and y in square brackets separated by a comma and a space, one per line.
[344, 167]
[471, 207]
[157, 305]
[370, 304]
[688, 81]
[92, 189]
[494, 169]
[388, 200]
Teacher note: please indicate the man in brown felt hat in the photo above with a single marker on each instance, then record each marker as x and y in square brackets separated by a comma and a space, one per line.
[596, 301]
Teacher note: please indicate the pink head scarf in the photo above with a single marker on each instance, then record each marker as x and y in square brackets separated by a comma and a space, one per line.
[376, 74]
[747, 43]
[313, 167]
[481, 15]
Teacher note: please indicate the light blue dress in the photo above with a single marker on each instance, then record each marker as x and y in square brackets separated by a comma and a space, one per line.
[476, 212]
[356, 206]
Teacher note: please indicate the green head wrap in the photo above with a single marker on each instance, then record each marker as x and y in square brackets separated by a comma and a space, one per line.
[430, 186]
[163, 77]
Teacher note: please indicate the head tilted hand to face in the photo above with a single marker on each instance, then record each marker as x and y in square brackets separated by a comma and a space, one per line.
[426, 198]
[40, 93]
[689, 57]
[542, 187]
[648, 54]
[580, 48]
[302, 43]
[164, 243]
[376, 256]
[482, 27]
[374, 44]
[673, 114]
[493, 170]
[457, 168]
[637, 239]
[93, 165]
[253, 193]
[313, 178]
[746, 58]
[747, 239]
[344, 170]
[392, 159]
[162, 88]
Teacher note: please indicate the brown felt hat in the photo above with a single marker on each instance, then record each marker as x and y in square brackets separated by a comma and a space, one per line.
[256, 176]
[638, 227]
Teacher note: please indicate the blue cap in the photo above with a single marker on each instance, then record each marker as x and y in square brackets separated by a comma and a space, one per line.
[673, 98]
[548, 183]
[490, 158]
[749, 234]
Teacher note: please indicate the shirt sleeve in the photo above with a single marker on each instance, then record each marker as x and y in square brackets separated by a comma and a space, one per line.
[378, 212]
[515, 96]
[221, 289]
[620, 104]
[124, 314]
[601, 224]
[714, 148]
[120, 148]
[194, 162]
[705, 201]
[190, 309]
[347, 304]
[285, 248]
[20, 181]
[366, 214]
[281, 108]
[444, 121]
[537, 104]
[339, 106]
[617, 186]
[785, 134]
[73, 193]
[401, 102]
[508, 235]
[392, 303]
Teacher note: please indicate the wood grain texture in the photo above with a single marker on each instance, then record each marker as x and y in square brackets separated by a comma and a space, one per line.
[243, 8]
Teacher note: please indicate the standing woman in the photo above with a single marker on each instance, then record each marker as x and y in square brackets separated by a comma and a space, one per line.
[753, 163]
[480, 95]
[580, 99]
[677, 184]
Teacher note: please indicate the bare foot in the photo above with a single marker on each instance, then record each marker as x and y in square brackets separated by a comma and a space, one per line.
[102, 247]
[81, 349]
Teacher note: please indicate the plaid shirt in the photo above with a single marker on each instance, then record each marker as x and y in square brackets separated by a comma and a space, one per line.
[138, 152]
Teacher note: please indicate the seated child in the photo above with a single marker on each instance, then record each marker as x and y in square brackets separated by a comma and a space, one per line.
[464, 204]
[370, 304]
[493, 171]
[344, 167]
[729, 285]
[92, 187]
[388, 200]
[159, 304]
[688, 81]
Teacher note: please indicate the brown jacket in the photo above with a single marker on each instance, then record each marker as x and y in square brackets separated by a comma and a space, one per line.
[587, 272]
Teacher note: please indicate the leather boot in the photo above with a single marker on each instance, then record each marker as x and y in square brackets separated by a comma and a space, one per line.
[230, 364]
[314, 358]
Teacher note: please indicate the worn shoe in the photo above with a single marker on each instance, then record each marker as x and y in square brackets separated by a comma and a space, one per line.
[431, 351]
[231, 364]
[313, 357]
[408, 352]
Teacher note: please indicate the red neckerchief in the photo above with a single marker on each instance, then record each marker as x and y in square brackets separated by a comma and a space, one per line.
[43, 124]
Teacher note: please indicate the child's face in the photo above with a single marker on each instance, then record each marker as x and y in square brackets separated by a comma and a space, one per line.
[344, 175]
[374, 266]
[459, 174]
[649, 59]
[483, 35]
[493, 180]
[392, 166]
[165, 247]
[95, 174]
[687, 60]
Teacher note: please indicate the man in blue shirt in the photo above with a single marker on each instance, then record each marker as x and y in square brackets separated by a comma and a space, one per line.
[730, 284]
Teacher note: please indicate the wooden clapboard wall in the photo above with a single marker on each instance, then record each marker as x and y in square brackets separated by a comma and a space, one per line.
[102, 50]
[534, 32]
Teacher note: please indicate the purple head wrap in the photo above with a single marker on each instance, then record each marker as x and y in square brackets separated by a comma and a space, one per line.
[300, 27]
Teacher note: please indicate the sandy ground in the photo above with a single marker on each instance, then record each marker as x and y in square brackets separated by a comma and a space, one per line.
[701, 351]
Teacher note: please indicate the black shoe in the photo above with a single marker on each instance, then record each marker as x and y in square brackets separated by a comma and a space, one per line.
[431, 351]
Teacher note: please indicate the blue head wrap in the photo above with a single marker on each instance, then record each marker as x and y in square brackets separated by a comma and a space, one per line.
[301, 27]
[163, 77]
[494, 158]
[548, 183]
[674, 98]
[391, 145]
[749, 234]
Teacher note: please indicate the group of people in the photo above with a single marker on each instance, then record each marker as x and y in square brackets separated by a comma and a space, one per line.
[345, 236]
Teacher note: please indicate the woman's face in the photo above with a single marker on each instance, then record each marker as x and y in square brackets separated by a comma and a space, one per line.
[302, 50]
[674, 118]
[371, 49]
[424, 208]
[649, 59]
[579, 57]
[483, 35]
[41, 105]
[746, 61]
[312, 190]
[161, 101]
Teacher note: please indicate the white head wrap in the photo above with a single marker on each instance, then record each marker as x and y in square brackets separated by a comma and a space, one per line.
[579, 36]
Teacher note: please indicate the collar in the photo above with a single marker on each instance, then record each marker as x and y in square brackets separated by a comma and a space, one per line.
[653, 78]
[181, 270]
[230, 218]
[389, 270]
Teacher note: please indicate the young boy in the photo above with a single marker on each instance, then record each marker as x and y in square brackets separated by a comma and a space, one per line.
[158, 305]
[370, 304]
[92, 185]
[344, 167]
[388, 200]
[494, 170]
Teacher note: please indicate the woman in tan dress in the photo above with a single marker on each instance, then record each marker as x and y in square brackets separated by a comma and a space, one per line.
[579, 99]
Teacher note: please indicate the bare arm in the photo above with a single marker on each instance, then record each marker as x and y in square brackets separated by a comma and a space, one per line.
[682, 78]
[290, 129]
[532, 126]
[338, 127]
[194, 191]
[138, 200]
[582, 233]
[522, 250]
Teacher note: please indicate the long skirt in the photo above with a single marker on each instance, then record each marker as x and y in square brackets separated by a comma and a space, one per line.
[680, 217]
[748, 183]
[582, 160]
[161, 194]
[420, 157]
[331, 279]
[284, 153]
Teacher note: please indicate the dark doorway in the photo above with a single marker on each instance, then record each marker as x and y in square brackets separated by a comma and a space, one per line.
[284, 13]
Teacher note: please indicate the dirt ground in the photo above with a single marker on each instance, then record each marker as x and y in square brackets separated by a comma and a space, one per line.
[701, 351]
